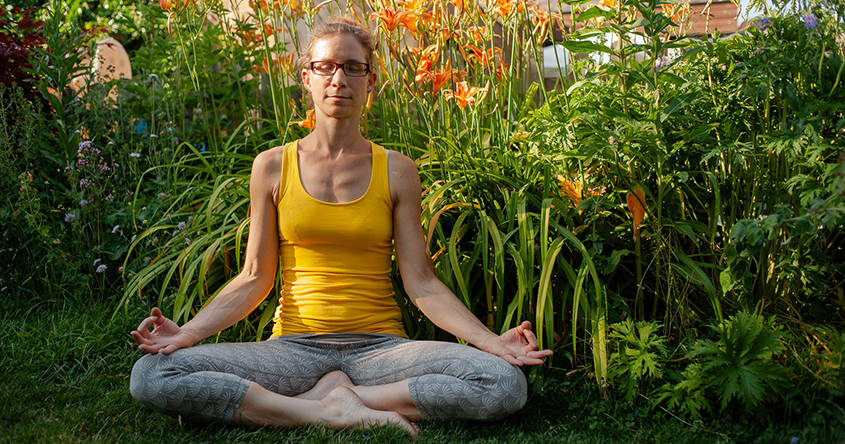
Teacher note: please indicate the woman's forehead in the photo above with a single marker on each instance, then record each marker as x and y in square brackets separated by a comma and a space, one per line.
[339, 48]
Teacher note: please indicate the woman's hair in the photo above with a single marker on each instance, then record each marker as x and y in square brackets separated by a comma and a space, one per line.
[338, 26]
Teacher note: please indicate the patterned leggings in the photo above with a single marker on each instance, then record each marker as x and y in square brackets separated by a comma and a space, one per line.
[207, 383]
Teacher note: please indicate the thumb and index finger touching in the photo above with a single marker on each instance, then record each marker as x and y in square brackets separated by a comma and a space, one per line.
[143, 336]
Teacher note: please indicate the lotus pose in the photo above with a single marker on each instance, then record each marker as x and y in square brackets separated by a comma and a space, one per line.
[333, 206]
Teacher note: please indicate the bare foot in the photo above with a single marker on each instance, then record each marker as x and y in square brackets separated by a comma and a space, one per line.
[325, 385]
[343, 408]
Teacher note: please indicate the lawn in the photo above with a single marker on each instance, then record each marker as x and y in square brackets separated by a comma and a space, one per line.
[66, 368]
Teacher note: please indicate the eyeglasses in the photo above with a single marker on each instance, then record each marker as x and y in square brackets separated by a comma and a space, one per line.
[351, 69]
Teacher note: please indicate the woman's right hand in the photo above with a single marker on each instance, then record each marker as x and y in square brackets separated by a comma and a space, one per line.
[166, 337]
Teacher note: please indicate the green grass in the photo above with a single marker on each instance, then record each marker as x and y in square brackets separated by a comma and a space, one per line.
[65, 371]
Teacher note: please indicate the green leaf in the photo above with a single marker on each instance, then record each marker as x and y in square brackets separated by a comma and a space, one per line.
[699, 132]
[592, 13]
[585, 47]
[726, 280]
[676, 104]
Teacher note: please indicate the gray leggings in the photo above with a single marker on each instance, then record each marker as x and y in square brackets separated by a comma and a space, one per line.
[207, 383]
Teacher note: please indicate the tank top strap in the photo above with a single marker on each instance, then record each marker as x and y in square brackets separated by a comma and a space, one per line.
[288, 162]
[380, 177]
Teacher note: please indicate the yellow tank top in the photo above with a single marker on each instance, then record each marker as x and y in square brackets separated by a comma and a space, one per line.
[336, 257]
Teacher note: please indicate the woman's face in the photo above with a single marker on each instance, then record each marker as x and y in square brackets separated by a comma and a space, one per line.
[338, 95]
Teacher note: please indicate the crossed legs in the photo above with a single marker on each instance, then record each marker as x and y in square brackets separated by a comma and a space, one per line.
[290, 382]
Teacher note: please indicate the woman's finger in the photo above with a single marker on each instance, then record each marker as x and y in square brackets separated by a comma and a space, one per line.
[139, 338]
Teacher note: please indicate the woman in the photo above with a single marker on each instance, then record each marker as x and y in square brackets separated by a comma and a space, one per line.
[333, 205]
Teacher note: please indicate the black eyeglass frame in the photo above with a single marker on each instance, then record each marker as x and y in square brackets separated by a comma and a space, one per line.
[341, 66]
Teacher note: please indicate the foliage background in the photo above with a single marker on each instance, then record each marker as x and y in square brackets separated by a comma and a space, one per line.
[670, 216]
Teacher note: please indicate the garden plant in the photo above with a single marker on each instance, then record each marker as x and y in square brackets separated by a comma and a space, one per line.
[669, 213]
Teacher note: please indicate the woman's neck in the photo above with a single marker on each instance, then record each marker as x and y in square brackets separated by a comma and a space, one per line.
[335, 136]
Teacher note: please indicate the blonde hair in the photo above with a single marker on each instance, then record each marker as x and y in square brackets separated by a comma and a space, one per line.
[338, 26]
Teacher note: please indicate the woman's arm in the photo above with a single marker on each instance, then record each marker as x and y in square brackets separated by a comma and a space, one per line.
[518, 345]
[248, 288]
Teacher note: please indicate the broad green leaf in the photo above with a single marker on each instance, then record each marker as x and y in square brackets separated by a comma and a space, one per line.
[585, 47]
[592, 13]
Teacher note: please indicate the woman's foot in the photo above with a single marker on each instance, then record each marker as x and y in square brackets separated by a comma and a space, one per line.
[343, 409]
[325, 385]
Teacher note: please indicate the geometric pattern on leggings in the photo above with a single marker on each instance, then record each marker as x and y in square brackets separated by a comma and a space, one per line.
[207, 383]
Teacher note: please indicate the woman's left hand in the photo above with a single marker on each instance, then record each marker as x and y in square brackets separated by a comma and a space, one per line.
[518, 346]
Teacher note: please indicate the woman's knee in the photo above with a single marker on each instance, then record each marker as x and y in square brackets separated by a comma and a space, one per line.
[507, 393]
[147, 379]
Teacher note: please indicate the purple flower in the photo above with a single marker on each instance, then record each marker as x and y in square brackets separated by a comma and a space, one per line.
[181, 226]
[70, 217]
[85, 183]
[116, 227]
[810, 21]
[135, 155]
[101, 268]
[84, 145]
[83, 202]
[763, 23]
[133, 238]
[96, 261]
[109, 197]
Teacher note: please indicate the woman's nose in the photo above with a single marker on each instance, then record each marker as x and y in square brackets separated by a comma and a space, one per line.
[339, 76]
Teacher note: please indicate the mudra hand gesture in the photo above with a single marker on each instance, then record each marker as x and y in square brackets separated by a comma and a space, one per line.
[518, 346]
[165, 337]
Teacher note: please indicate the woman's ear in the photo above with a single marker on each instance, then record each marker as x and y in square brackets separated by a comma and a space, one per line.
[306, 80]
[371, 82]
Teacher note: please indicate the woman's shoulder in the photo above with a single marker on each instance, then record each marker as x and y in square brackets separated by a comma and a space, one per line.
[403, 175]
[400, 163]
[269, 160]
[267, 171]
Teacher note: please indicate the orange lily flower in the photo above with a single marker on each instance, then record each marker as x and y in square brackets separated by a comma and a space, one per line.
[465, 95]
[635, 205]
[413, 5]
[607, 4]
[390, 19]
[575, 191]
[408, 20]
[541, 22]
[426, 60]
[308, 122]
[477, 34]
[501, 70]
[675, 14]
[442, 76]
[507, 8]
[261, 3]
[177, 5]
[483, 57]
[294, 5]
[572, 190]
[285, 65]
[457, 3]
